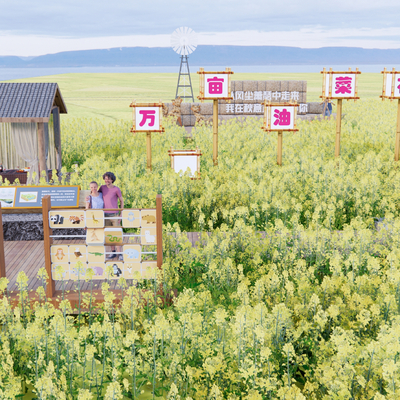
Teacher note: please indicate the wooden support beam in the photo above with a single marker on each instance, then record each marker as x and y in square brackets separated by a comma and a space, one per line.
[397, 144]
[48, 241]
[41, 149]
[2, 254]
[57, 136]
[338, 127]
[279, 155]
[159, 230]
[148, 150]
[215, 131]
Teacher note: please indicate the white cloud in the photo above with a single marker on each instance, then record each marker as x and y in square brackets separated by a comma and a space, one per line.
[312, 37]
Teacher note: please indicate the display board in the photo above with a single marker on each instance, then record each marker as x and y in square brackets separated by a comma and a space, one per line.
[31, 196]
[72, 261]
[181, 160]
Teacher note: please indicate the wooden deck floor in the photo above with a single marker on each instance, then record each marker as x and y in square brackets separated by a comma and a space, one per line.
[28, 256]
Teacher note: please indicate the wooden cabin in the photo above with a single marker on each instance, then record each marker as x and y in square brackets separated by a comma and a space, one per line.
[30, 125]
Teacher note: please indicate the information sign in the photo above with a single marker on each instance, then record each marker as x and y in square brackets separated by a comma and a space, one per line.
[31, 196]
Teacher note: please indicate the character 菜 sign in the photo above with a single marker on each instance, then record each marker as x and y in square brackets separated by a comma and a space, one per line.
[340, 85]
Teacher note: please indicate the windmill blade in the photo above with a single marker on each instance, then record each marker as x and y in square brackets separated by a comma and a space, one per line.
[184, 41]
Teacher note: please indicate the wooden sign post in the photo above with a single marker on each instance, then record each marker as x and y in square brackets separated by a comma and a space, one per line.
[181, 160]
[217, 87]
[391, 91]
[280, 117]
[147, 117]
[339, 85]
[2, 255]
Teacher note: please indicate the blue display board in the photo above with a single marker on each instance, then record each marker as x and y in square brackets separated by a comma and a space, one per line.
[31, 196]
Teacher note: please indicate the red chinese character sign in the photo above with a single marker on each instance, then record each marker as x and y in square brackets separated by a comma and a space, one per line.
[215, 86]
[339, 85]
[391, 91]
[391, 85]
[146, 117]
[280, 117]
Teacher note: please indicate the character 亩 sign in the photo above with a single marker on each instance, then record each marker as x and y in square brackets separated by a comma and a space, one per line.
[280, 117]
[146, 117]
[215, 86]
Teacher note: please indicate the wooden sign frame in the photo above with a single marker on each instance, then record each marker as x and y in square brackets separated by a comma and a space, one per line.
[202, 97]
[330, 73]
[267, 124]
[268, 115]
[328, 96]
[178, 153]
[392, 97]
[156, 214]
[393, 74]
[203, 75]
[134, 105]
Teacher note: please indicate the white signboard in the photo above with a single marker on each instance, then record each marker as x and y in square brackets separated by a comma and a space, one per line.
[389, 82]
[7, 195]
[147, 119]
[282, 117]
[182, 163]
[216, 86]
[343, 85]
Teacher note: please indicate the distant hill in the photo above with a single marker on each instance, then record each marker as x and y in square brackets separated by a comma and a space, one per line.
[207, 55]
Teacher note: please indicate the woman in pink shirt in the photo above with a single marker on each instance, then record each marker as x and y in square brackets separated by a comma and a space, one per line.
[111, 194]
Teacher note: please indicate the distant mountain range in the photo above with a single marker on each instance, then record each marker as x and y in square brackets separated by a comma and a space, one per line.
[206, 55]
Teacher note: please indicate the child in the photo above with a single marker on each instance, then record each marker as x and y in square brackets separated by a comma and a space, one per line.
[95, 199]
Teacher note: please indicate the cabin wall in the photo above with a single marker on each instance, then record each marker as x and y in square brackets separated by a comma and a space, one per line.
[8, 154]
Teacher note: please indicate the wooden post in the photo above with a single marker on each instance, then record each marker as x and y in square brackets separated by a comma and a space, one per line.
[397, 145]
[159, 230]
[57, 136]
[215, 131]
[48, 241]
[2, 253]
[279, 157]
[148, 149]
[338, 127]
[41, 149]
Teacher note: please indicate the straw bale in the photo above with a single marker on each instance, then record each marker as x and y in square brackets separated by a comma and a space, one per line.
[186, 120]
[185, 108]
[261, 85]
[295, 86]
[303, 97]
[238, 85]
[315, 108]
[206, 108]
[249, 86]
[304, 86]
[233, 86]
[284, 86]
[273, 86]
[222, 109]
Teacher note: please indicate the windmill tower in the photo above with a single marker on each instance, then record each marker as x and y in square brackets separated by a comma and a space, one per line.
[184, 42]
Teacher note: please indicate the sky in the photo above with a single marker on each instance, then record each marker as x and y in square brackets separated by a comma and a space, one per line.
[31, 28]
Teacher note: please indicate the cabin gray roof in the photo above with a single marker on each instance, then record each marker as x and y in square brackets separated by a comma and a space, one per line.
[29, 102]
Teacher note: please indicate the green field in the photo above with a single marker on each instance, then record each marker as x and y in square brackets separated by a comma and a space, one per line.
[107, 96]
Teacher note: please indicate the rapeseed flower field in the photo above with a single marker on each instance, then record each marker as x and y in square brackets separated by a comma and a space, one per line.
[292, 292]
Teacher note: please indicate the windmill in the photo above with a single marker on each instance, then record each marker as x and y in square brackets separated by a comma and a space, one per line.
[184, 42]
